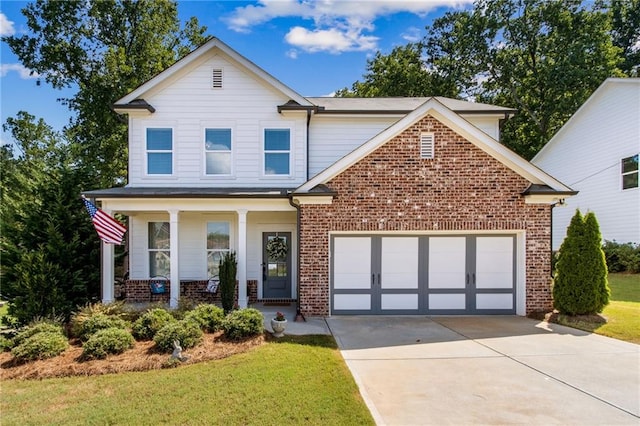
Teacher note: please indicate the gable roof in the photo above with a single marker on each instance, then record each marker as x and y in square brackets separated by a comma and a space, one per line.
[191, 58]
[601, 91]
[435, 108]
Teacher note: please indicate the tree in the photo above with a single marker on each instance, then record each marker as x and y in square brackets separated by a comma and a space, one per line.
[105, 49]
[544, 58]
[580, 286]
[50, 261]
[228, 269]
[401, 73]
[625, 30]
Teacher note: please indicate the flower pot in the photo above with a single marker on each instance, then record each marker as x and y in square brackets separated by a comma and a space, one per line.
[278, 327]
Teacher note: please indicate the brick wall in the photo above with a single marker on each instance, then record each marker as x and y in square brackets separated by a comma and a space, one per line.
[393, 189]
[138, 291]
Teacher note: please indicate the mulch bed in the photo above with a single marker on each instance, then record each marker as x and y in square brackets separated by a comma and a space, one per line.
[142, 357]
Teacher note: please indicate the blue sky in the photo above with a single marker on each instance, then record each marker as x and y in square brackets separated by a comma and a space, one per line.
[314, 47]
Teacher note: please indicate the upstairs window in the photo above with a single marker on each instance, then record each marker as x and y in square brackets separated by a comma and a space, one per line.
[159, 254]
[630, 172]
[217, 151]
[277, 151]
[427, 145]
[217, 245]
[159, 151]
[216, 78]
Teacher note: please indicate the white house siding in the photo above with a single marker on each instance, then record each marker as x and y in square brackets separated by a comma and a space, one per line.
[188, 104]
[334, 137]
[585, 155]
[488, 124]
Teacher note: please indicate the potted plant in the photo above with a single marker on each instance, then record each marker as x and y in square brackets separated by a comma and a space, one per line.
[278, 324]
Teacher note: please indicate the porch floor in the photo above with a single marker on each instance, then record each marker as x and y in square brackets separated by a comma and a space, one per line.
[313, 325]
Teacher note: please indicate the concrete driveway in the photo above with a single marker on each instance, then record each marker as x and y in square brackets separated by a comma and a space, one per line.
[488, 370]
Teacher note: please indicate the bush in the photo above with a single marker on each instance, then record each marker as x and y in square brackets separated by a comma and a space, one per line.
[5, 344]
[89, 310]
[107, 341]
[99, 322]
[35, 328]
[243, 323]
[622, 257]
[228, 268]
[580, 285]
[43, 345]
[209, 317]
[186, 332]
[146, 327]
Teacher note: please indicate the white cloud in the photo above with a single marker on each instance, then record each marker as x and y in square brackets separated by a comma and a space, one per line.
[6, 26]
[25, 73]
[337, 25]
[292, 53]
[412, 34]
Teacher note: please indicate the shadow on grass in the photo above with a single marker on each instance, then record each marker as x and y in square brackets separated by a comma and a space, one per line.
[320, 340]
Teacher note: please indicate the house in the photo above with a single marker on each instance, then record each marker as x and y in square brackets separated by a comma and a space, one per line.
[346, 206]
[596, 153]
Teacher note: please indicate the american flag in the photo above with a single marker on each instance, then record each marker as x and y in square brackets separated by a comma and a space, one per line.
[109, 230]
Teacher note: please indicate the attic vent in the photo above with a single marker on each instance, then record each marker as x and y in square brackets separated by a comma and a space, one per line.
[426, 145]
[217, 79]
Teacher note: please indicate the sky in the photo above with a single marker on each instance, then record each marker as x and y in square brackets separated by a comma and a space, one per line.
[314, 47]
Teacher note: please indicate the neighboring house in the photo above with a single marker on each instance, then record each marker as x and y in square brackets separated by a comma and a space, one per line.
[386, 206]
[596, 153]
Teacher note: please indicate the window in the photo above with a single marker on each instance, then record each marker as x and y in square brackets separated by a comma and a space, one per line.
[630, 172]
[159, 254]
[159, 151]
[276, 151]
[216, 78]
[217, 245]
[426, 145]
[217, 151]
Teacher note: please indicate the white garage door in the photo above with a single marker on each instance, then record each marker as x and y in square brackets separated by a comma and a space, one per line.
[423, 274]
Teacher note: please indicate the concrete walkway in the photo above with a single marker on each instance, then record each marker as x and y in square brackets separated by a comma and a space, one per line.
[488, 370]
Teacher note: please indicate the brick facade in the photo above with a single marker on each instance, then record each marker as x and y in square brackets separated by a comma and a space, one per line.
[393, 189]
[136, 291]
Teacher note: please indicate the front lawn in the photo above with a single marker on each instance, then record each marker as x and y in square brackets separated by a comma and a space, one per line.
[622, 313]
[295, 380]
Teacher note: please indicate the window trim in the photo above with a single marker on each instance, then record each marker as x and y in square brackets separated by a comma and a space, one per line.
[623, 173]
[153, 250]
[148, 151]
[205, 151]
[265, 152]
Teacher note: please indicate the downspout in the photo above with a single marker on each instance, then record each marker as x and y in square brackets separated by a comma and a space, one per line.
[308, 122]
[559, 202]
[299, 316]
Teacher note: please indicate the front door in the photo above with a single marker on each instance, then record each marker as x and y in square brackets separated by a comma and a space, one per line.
[276, 265]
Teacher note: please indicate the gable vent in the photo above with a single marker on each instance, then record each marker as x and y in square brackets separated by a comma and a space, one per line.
[426, 145]
[217, 79]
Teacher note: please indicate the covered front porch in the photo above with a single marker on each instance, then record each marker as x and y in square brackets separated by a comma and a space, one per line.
[181, 236]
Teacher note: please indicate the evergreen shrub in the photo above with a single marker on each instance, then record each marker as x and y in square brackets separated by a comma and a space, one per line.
[208, 316]
[43, 345]
[106, 342]
[186, 332]
[145, 327]
[243, 323]
[99, 322]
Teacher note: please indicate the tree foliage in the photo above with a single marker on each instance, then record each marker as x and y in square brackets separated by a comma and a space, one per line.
[580, 286]
[542, 57]
[105, 48]
[228, 269]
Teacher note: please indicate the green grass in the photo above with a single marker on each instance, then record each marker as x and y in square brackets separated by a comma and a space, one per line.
[297, 380]
[622, 313]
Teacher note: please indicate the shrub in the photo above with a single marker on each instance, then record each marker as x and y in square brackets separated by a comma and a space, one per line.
[580, 286]
[243, 323]
[89, 310]
[208, 316]
[98, 322]
[186, 332]
[622, 257]
[35, 328]
[5, 344]
[43, 345]
[107, 341]
[146, 327]
[228, 269]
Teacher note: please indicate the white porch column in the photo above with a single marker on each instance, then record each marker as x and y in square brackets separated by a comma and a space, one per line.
[242, 258]
[108, 275]
[174, 292]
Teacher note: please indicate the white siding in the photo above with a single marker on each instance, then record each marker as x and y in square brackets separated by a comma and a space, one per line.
[585, 155]
[334, 137]
[489, 125]
[189, 104]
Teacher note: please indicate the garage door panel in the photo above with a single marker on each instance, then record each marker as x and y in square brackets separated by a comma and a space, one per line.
[494, 301]
[346, 281]
[399, 263]
[352, 302]
[352, 263]
[447, 301]
[447, 267]
[399, 302]
[494, 262]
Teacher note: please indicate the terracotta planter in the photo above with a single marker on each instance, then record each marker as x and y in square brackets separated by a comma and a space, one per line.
[278, 327]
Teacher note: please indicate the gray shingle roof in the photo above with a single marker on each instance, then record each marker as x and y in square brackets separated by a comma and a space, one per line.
[402, 105]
